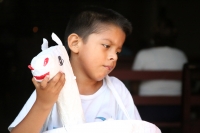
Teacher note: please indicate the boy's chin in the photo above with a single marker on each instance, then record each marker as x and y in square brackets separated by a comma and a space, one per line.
[100, 78]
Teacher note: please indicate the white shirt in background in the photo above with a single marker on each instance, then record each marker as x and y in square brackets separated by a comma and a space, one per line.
[160, 58]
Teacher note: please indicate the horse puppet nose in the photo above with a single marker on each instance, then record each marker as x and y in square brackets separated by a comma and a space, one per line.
[30, 67]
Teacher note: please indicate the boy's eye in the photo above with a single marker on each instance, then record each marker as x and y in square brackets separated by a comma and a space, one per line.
[118, 53]
[106, 46]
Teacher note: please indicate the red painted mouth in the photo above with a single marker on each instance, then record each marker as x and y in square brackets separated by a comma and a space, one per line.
[42, 76]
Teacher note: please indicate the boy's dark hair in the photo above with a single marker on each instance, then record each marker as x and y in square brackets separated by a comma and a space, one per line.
[90, 19]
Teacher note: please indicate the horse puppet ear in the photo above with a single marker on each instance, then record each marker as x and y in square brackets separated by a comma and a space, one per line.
[44, 44]
[56, 39]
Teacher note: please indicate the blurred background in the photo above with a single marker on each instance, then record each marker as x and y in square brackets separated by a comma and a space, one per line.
[23, 24]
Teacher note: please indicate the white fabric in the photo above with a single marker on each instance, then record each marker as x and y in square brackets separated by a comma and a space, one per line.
[160, 58]
[111, 126]
[117, 98]
[96, 107]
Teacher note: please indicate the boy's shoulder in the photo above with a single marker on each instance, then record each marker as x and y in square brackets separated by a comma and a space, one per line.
[118, 85]
[115, 80]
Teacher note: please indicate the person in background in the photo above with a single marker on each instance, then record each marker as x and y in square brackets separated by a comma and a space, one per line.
[162, 55]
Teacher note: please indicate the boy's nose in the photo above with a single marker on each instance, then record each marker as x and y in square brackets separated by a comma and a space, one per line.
[113, 57]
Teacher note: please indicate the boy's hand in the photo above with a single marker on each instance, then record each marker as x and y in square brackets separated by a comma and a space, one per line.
[48, 92]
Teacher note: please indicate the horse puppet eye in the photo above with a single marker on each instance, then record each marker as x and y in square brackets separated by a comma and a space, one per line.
[46, 60]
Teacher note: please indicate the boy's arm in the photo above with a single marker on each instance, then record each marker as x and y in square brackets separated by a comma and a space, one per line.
[47, 95]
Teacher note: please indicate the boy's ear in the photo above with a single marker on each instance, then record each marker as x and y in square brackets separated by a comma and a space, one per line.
[73, 41]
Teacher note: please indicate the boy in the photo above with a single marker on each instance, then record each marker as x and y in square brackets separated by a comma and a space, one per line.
[95, 36]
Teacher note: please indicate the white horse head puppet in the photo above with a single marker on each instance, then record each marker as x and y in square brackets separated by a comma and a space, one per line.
[49, 62]
[46, 63]
[54, 59]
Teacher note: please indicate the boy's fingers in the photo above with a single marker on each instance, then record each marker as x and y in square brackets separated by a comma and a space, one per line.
[36, 84]
[55, 80]
[61, 82]
[44, 82]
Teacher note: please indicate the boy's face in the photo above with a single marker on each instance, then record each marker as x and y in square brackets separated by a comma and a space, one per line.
[97, 57]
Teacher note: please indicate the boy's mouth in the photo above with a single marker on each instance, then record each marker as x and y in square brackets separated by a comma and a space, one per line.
[108, 67]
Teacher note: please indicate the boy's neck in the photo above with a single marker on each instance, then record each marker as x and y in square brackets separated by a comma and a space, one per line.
[89, 88]
[86, 85]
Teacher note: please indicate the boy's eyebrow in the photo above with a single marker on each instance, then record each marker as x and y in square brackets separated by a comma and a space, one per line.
[107, 40]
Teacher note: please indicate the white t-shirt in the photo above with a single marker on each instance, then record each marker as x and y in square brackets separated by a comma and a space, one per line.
[160, 58]
[97, 107]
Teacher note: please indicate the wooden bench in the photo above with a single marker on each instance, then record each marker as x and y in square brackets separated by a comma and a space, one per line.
[129, 75]
[191, 75]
